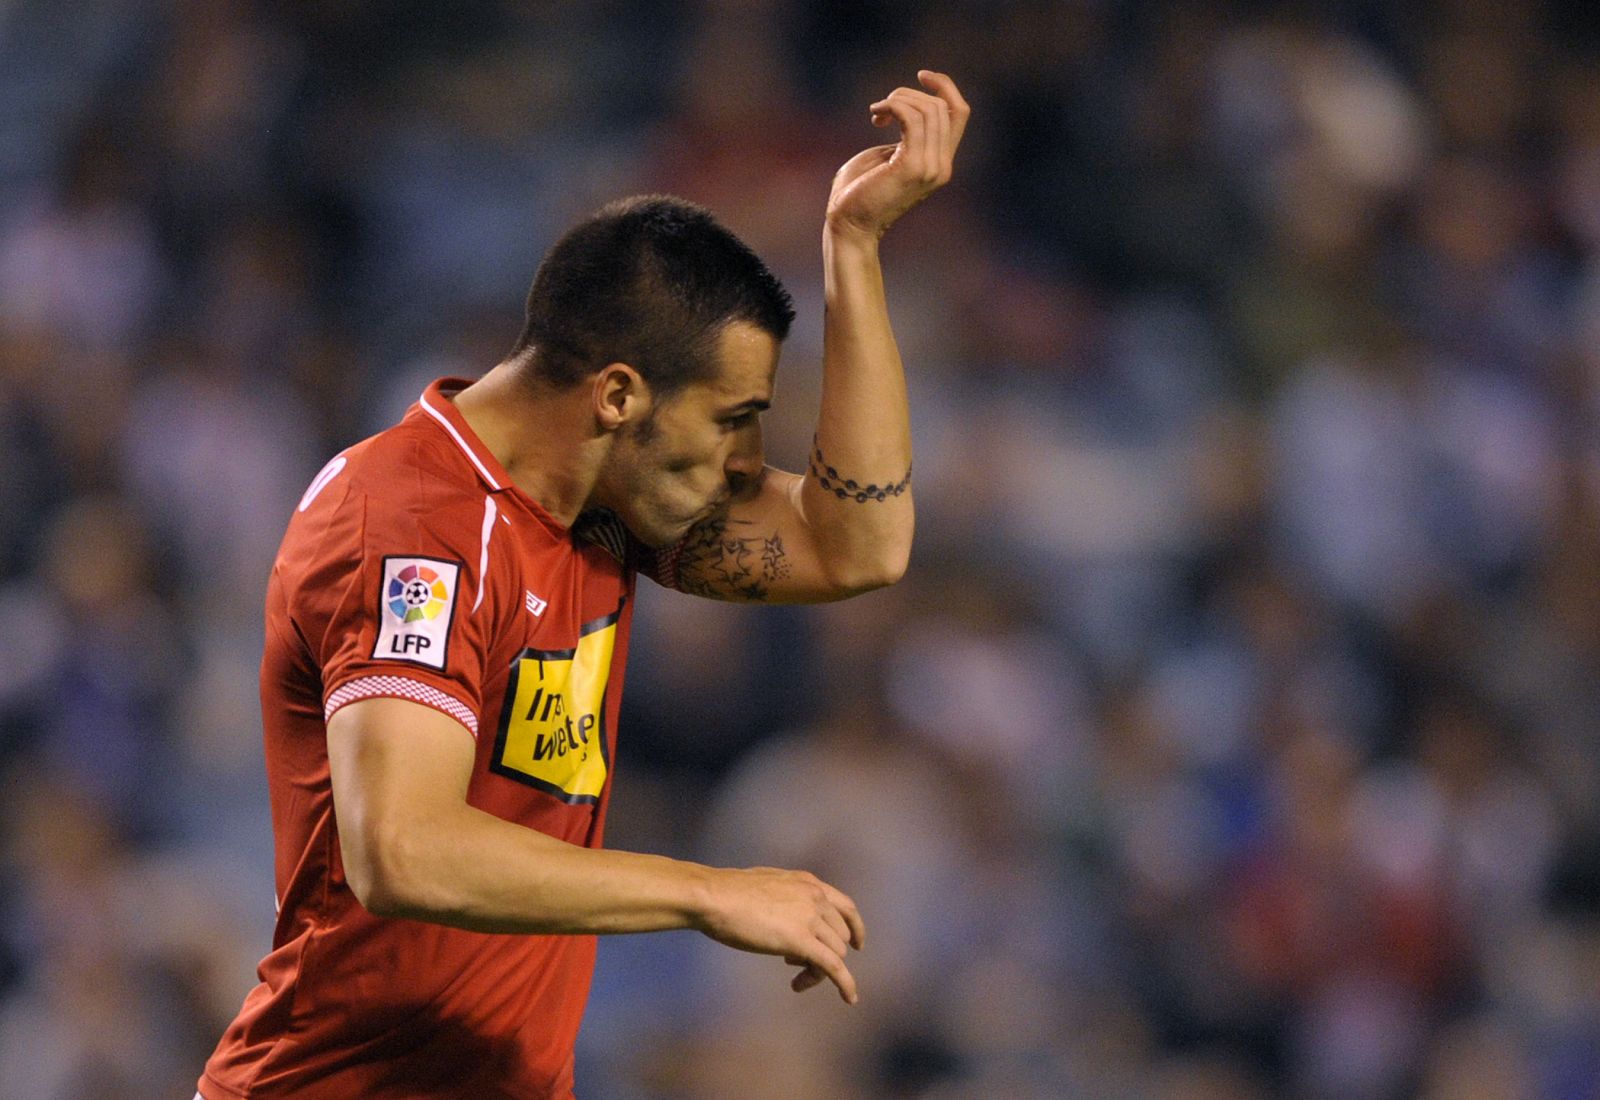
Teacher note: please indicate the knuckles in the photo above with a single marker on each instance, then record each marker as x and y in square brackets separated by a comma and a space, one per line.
[915, 98]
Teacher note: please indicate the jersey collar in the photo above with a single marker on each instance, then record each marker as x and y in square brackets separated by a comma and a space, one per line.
[436, 405]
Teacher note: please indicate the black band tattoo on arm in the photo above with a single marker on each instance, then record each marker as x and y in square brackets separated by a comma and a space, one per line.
[725, 565]
[848, 488]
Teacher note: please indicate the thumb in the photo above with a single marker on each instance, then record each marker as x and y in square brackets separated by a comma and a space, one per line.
[807, 978]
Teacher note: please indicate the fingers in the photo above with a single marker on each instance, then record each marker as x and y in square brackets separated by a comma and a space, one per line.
[866, 160]
[831, 926]
[828, 961]
[839, 910]
[792, 914]
[839, 929]
[807, 978]
[846, 908]
[833, 938]
[913, 111]
[870, 193]
[927, 129]
[945, 88]
[898, 106]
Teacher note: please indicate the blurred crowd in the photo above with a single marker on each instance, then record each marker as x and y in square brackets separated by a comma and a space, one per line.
[1236, 732]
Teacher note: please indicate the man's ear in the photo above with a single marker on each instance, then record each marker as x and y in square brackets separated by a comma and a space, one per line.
[621, 397]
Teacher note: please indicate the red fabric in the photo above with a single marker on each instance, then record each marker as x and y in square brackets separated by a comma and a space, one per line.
[352, 1005]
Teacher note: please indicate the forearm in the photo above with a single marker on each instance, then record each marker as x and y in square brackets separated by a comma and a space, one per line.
[472, 870]
[412, 847]
[856, 494]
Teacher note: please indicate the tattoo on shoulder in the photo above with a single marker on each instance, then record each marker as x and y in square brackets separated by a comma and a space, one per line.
[846, 488]
[721, 561]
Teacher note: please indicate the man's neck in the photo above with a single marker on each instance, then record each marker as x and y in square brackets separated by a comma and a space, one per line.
[542, 438]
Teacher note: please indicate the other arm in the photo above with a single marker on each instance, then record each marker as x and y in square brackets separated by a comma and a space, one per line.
[845, 525]
[413, 847]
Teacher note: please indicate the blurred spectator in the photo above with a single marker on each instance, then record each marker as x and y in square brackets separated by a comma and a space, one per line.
[1235, 732]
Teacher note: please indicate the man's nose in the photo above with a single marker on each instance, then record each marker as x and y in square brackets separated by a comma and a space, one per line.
[745, 460]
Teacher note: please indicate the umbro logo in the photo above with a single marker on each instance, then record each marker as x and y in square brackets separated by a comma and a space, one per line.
[535, 604]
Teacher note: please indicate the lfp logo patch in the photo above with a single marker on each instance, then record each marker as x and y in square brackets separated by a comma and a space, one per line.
[419, 601]
[416, 592]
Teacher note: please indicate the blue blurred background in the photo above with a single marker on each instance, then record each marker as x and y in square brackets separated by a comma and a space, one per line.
[1236, 733]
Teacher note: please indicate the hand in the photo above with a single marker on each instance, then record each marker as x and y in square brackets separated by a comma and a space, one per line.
[879, 184]
[789, 913]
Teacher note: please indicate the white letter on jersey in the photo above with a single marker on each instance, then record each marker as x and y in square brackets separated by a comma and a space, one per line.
[320, 482]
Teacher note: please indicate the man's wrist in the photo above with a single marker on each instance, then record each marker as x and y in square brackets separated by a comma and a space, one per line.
[699, 899]
[841, 234]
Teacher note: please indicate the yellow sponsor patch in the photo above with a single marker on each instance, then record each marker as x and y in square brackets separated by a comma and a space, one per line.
[552, 729]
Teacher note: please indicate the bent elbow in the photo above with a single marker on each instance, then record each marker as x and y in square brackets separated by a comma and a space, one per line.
[376, 871]
[890, 570]
[373, 888]
[378, 894]
[866, 576]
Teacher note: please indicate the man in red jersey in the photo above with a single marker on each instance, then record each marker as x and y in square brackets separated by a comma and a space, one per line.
[447, 625]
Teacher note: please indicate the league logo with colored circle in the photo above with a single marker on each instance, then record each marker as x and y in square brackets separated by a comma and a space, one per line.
[416, 593]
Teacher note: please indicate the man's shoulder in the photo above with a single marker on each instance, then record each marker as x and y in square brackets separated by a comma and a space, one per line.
[403, 449]
[410, 465]
[402, 476]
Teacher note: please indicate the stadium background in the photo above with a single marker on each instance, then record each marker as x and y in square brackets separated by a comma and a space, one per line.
[1236, 733]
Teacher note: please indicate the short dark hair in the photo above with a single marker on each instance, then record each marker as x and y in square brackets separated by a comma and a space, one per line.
[649, 281]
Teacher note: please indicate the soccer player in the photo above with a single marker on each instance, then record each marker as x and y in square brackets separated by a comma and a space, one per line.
[447, 623]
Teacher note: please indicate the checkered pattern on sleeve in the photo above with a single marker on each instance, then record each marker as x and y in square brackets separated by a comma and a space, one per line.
[401, 687]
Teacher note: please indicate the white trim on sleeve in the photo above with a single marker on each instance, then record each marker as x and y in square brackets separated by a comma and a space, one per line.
[401, 687]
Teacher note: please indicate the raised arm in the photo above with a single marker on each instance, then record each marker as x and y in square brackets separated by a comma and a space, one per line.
[413, 847]
[843, 526]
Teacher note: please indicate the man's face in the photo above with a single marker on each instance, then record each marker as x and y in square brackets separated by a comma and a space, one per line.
[699, 446]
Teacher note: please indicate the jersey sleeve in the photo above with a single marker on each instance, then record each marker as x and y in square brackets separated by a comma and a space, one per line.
[407, 617]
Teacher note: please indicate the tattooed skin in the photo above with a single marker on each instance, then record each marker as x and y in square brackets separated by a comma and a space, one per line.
[719, 562]
[848, 488]
[724, 558]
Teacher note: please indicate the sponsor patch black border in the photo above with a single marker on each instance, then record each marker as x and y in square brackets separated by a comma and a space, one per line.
[503, 730]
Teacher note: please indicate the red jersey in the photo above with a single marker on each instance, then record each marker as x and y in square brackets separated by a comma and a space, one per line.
[414, 569]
